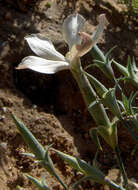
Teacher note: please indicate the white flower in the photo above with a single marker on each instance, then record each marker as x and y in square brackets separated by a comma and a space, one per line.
[51, 61]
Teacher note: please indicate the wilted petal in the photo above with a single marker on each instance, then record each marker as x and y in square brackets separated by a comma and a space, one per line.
[43, 47]
[71, 26]
[42, 65]
[84, 47]
[99, 30]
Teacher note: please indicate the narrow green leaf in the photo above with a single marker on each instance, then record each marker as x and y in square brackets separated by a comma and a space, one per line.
[121, 105]
[109, 135]
[94, 163]
[28, 154]
[128, 61]
[89, 66]
[122, 168]
[133, 72]
[94, 103]
[107, 181]
[30, 140]
[121, 68]
[38, 183]
[103, 62]
[134, 64]
[43, 181]
[72, 161]
[109, 100]
[94, 135]
[133, 97]
[89, 170]
[98, 62]
[97, 175]
[100, 88]
[35, 181]
[130, 102]
[48, 164]
[97, 53]
[99, 113]
[107, 55]
[125, 103]
[106, 68]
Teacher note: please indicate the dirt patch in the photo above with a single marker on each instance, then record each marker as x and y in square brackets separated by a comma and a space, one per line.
[51, 105]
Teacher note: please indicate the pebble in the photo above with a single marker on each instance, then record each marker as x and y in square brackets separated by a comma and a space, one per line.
[34, 106]
[4, 110]
[3, 146]
[10, 169]
[2, 118]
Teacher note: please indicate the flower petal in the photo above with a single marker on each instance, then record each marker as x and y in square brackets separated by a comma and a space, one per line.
[42, 65]
[43, 47]
[71, 26]
[83, 48]
[99, 30]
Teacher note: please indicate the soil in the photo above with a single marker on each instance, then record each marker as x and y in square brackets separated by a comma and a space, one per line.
[51, 106]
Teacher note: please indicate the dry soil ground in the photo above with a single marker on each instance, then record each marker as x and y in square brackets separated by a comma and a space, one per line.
[51, 106]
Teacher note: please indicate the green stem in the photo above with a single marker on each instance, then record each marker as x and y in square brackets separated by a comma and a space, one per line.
[98, 112]
[95, 107]
[122, 168]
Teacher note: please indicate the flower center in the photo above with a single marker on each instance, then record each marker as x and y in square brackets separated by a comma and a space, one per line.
[78, 50]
